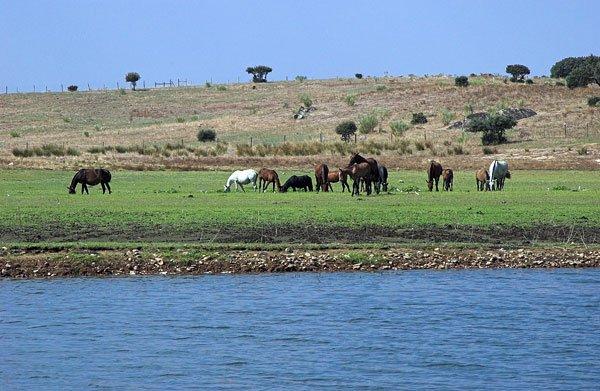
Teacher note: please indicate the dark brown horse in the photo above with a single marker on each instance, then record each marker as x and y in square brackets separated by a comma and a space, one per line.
[448, 177]
[91, 176]
[374, 176]
[433, 174]
[359, 172]
[321, 176]
[338, 176]
[266, 177]
[482, 177]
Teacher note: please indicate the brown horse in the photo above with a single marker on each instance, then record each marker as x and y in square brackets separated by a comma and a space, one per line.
[91, 176]
[374, 177]
[338, 176]
[266, 177]
[360, 172]
[321, 176]
[433, 173]
[482, 177]
[448, 178]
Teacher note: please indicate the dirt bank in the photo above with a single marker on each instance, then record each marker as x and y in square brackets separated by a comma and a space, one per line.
[17, 263]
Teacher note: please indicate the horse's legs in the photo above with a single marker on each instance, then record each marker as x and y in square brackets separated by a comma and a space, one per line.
[241, 186]
[84, 186]
[437, 181]
[108, 187]
[103, 187]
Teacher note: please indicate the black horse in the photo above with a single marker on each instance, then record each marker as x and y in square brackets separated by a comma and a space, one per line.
[383, 177]
[91, 176]
[297, 182]
[374, 176]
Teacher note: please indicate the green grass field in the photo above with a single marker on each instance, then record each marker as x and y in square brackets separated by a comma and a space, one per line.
[191, 207]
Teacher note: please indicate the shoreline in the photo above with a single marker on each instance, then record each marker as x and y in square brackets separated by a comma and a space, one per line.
[31, 263]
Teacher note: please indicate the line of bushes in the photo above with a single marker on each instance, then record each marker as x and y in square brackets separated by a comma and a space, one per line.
[165, 150]
[318, 148]
[45, 150]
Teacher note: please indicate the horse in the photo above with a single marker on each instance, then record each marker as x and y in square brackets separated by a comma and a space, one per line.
[374, 177]
[358, 172]
[383, 177]
[265, 177]
[91, 176]
[338, 176]
[297, 182]
[448, 179]
[482, 177]
[433, 173]
[321, 175]
[498, 172]
[241, 178]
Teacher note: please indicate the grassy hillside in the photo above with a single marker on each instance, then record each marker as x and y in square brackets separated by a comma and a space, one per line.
[140, 124]
[190, 207]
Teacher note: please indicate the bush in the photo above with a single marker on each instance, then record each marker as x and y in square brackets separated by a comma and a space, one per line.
[132, 77]
[259, 73]
[582, 151]
[207, 134]
[306, 100]
[300, 78]
[180, 120]
[578, 71]
[418, 118]
[529, 81]
[461, 81]
[419, 145]
[72, 88]
[46, 150]
[346, 129]
[489, 151]
[350, 100]
[367, 123]
[518, 72]
[15, 134]
[447, 117]
[399, 127]
[358, 75]
[221, 88]
[593, 101]
[493, 127]
[381, 88]
[207, 85]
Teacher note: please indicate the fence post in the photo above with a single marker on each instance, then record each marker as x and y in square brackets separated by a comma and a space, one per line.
[354, 138]
[118, 85]
[62, 88]
[144, 84]
[565, 130]
[89, 88]
[46, 88]
[34, 88]
[284, 138]
[425, 134]
[321, 137]
[250, 141]
[6, 90]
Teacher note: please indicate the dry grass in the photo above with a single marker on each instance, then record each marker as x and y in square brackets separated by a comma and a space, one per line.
[85, 120]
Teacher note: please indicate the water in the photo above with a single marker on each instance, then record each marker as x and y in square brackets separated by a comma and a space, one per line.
[492, 329]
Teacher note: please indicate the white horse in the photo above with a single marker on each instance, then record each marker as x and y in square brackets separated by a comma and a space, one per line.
[241, 178]
[498, 172]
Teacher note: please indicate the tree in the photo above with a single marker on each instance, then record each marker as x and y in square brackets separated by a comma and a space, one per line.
[461, 81]
[565, 66]
[259, 73]
[358, 75]
[132, 77]
[346, 129]
[584, 74]
[518, 72]
[72, 88]
[492, 126]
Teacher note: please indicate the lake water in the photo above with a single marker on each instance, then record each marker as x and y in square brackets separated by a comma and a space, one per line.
[473, 329]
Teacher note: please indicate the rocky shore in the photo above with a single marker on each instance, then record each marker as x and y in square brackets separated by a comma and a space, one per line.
[20, 263]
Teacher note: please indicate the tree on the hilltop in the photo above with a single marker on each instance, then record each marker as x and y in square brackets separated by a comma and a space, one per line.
[259, 73]
[565, 66]
[518, 72]
[132, 77]
[461, 81]
[346, 129]
[578, 71]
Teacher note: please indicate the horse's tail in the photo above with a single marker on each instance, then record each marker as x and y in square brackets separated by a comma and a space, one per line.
[277, 181]
[324, 175]
[106, 177]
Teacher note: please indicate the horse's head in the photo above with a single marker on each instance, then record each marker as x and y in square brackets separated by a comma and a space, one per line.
[429, 184]
[355, 158]
[71, 190]
[226, 188]
[384, 186]
[508, 174]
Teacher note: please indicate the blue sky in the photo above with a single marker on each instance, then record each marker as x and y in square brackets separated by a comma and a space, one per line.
[97, 42]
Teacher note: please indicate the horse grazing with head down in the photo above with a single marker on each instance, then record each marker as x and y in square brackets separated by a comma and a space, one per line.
[338, 176]
[498, 173]
[297, 182]
[321, 176]
[266, 177]
[241, 178]
[433, 174]
[383, 177]
[482, 177]
[91, 176]
[373, 165]
[448, 178]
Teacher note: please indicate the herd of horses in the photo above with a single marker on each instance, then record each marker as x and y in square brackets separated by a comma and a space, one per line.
[366, 173]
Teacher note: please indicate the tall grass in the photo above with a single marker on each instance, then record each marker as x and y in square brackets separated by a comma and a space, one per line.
[45, 150]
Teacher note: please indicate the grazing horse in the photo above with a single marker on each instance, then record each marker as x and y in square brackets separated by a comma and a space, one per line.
[241, 178]
[297, 182]
[321, 176]
[482, 177]
[433, 173]
[498, 172]
[360, 172]
[265, 177]
[374, 177]
[383, 177]
[91, 176]
[448, 178]
[338, 176]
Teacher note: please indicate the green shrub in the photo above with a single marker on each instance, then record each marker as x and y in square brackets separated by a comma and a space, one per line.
[207, 85]
[300, 78]
[592, 101]
[489, 151]
[381, 88]
[419, 145]
[418, 118]
[221, 88]
[72, 88]
[367, 123]
[358, 75]
[493, 127]
[15, 134]
[461, 81]
[582, 151]
[180, 120]
[350, 100]
[86, 133]
[346, 129]
[399, 127]
[306, 100]
[529, 81]
[46, 150]
[447, 117]
[206, 134]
